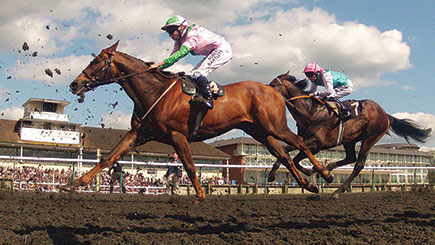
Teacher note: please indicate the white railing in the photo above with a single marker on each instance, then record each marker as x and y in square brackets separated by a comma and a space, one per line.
[72, 160]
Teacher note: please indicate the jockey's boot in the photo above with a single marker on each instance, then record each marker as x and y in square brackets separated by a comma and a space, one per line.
[344, 114]
[204, 87]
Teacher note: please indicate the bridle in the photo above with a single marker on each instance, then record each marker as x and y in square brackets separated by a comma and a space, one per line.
[299, 96]
[92, 81]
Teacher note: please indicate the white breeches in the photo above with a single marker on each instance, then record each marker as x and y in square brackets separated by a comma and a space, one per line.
[217, 58]
[340, 92]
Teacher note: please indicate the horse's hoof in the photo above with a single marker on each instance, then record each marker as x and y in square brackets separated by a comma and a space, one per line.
[271, 178]
[335, 195]
[68, 188]
[198, 199]
[311, 188]
[308, 172]
[327, 176]
[340, 190]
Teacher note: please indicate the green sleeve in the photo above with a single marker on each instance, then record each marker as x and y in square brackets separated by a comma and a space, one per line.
[183, 51]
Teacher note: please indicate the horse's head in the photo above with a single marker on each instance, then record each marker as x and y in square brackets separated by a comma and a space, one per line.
[97, 73]
[288, 86]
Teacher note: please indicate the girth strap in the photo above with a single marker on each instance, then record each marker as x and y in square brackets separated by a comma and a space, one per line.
[340, 132]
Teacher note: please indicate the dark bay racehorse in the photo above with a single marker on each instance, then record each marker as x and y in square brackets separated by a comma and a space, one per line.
[162, 113]
[321, 128]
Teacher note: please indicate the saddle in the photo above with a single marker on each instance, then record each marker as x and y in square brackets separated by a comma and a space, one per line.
[353, 106]
[190, 88]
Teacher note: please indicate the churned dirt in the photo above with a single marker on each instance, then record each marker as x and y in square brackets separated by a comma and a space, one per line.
[354, 218]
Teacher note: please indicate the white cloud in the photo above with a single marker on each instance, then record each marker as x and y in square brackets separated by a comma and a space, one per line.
[363, 52]
[427, 149]
[264, 43]
[407, 88]
[34, 69]
[12, 113]
[116, 119]
[425, 120]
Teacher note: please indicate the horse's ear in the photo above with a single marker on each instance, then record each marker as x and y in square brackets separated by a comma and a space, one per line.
[286, 75]
[113, 47]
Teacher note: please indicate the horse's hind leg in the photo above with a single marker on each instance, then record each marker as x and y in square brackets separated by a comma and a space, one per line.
[366, 145]
[182, 148]
[300, 156]
[126, 144]
[350, 157]
[290, 138]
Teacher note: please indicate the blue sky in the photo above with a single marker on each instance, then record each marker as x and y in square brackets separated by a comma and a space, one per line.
[385, 47]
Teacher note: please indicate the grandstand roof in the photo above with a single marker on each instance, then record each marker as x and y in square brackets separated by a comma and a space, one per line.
[106, 139]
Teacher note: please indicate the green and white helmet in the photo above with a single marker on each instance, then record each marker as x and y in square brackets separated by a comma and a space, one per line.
[174, 21]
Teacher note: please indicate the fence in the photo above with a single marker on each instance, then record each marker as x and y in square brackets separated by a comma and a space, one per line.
[266, 188]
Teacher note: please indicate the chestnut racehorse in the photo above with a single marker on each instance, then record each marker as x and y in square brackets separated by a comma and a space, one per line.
[162, 113]
[320, 127]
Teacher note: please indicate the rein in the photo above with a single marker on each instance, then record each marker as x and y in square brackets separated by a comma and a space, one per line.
[107, 67]
[157, 101]
[300, 96]
[307, 96]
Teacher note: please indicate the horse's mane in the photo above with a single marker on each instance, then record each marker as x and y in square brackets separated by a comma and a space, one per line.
[300, 84]
[149, 63]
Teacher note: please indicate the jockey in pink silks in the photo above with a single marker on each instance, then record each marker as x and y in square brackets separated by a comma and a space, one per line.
[196, 40]
[337, 85]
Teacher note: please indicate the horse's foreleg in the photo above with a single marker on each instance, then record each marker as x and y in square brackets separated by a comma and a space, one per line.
[292, 139]
[299, 157]
[305, 151]
[272, 174]
[182, 148]
[276, 164]
[126, 144]
[279, 152]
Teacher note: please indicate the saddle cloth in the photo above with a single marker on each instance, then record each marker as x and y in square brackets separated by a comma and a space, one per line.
[353, 106]
[190, 88]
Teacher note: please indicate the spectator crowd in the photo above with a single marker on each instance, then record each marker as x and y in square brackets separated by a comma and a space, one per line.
[49, 179]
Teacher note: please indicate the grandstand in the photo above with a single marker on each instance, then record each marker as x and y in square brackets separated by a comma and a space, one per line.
[45, 132]
[247, 151]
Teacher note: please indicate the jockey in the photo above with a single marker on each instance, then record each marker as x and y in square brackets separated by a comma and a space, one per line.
[337, 85]
[196, 40]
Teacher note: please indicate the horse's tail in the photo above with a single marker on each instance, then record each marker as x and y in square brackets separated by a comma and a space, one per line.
[407, 128]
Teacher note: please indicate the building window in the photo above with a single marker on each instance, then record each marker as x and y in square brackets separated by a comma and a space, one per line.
[47, 126]
[27, 124]
[49, 107]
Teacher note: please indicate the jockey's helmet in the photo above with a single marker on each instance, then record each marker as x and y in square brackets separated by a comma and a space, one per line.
[312, 67]
[174, 21]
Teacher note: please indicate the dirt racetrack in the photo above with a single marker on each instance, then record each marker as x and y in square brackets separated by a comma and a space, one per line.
[355, 218]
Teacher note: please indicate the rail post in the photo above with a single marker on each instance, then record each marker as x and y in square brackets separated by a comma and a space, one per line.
[120, 183]
[200, 175]
[97, 177]
[285, 189]
[322, 181]
[265, 181]
[373, 180]
[73, 172]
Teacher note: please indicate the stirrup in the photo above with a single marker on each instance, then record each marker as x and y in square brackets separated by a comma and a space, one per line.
[209, 104]
[345, 116]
